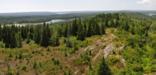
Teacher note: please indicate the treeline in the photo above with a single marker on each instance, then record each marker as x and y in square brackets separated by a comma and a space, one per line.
[13, 36]
[45, 35]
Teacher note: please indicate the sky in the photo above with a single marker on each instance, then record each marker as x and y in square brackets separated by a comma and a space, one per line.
[74, 5]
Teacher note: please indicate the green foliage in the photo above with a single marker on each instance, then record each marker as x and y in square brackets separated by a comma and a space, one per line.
[103, 68]
[10, 71]
[55, 61]
[85, 58]
[45, 36]
[72, 42]
[67, 73]
[36, 65]
[137, 35]
[113, 59]
[55, 40]
[2, 45]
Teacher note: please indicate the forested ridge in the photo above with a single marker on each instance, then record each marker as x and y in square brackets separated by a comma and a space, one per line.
[131, 46]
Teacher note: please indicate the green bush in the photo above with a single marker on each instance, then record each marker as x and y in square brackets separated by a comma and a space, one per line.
[113, 59]
[10, 71]
[2, 45]
[103, 68]
[85, 58]
[54, 41]
[55, 61]
[72, 44]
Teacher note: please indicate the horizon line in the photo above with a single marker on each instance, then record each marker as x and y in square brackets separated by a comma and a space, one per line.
[77, 11]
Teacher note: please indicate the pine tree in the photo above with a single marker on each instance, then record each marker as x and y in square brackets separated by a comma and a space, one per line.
[24, 32]
[74, 27]
[18, 39]
[0, 32]
[45, 36]
[103, 68]
[81, 32]
[37, 34]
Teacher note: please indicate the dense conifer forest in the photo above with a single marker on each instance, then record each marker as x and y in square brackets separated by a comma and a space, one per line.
[105, 44]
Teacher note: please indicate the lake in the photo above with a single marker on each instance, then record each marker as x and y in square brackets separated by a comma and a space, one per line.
[58, 20]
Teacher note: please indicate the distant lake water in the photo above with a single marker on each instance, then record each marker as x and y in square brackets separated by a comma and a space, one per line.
[58, 20]
[40, 23]
[151, 14]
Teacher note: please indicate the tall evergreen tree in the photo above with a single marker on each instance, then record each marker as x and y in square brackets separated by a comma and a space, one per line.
[103, 68]
[18, 39]
[45, 36]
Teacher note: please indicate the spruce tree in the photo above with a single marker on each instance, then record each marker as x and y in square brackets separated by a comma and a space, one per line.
[103, 68]
[45, 36]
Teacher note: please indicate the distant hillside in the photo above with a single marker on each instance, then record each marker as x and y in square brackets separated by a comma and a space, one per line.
[26, 14]
[33, 17]
[36, 17]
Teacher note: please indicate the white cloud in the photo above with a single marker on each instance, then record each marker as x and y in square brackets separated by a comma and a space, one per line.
[147, 2]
